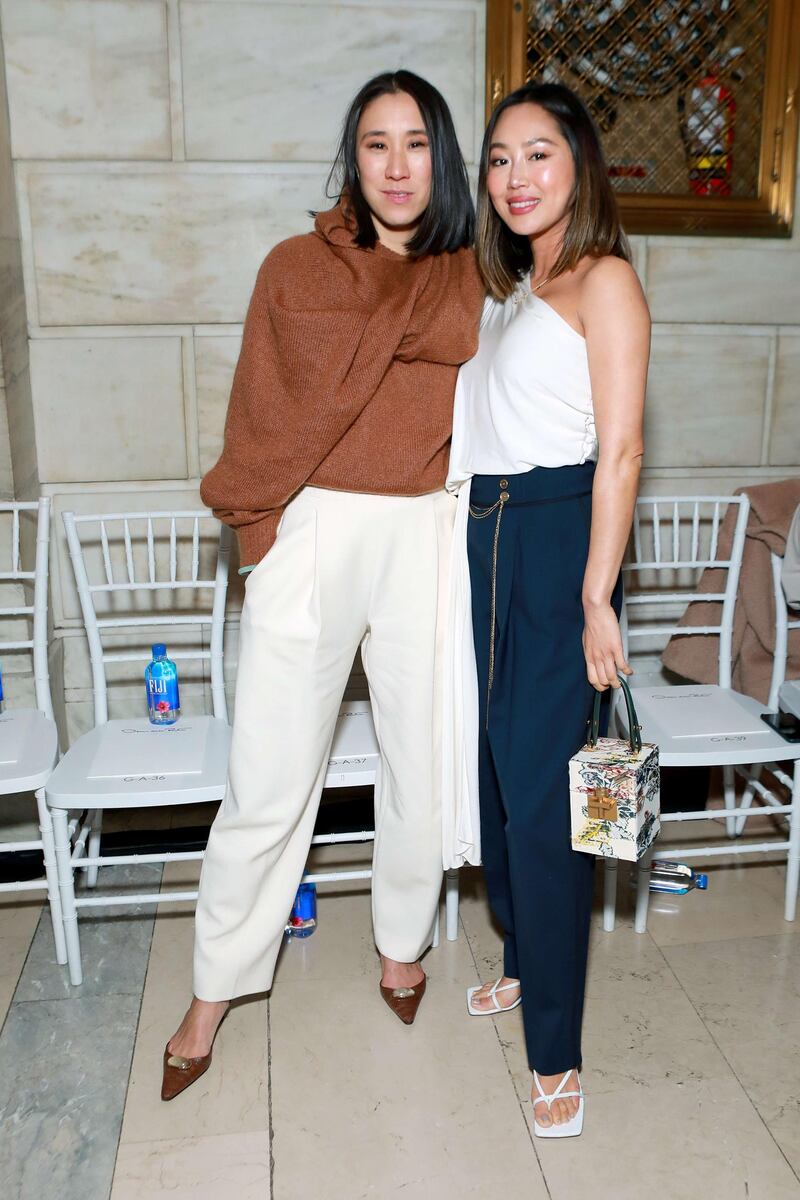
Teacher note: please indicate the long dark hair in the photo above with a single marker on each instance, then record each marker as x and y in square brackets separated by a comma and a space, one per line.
[448, 222]
[594, 228]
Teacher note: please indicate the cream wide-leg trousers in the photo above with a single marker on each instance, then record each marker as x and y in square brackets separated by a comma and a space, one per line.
[347, 569]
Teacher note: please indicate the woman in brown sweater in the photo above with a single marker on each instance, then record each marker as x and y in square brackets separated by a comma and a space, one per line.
[332, 473]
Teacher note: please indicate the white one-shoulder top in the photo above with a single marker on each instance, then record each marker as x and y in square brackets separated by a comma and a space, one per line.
[523, 401]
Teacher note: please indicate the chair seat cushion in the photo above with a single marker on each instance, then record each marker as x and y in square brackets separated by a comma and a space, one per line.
[129, 763]
[354, 754]
[28, 749]
[694, 724]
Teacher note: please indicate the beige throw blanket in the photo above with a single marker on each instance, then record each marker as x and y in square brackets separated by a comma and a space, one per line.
[772, 506]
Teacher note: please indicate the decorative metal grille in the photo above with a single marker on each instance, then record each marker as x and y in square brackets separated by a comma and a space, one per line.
[676, 86]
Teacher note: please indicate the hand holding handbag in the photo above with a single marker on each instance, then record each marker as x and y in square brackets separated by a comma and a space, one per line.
[614, 790]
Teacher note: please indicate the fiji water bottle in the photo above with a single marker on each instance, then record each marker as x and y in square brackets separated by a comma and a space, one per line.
[675, 877]
[161, 681]
[303, 918]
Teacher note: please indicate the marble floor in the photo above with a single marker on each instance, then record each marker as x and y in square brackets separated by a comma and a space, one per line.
[692, 1049]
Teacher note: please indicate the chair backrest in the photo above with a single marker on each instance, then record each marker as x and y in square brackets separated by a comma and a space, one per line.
[143, 569]
[674, 539]
[783, 623]
[33, 581]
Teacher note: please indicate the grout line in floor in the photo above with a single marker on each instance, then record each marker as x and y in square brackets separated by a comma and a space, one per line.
[270, 1127]
[531, 1139]
[13, 1000]
[61, 999]
[723, 1054]
[133, 1042]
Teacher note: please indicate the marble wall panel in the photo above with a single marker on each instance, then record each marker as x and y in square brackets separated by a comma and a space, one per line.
[88, 79]
[638, 247]
[134, 247]
[77, 720]
[749, 285]
[785, 435]
[215, 361]
[108, 409]
[705, 398]
[6, 474]
[711, 481]
[22, 437]
[18, 469]
[9, 223]
[261, 82]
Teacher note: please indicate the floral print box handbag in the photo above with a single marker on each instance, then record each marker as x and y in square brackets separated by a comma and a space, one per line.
[614, 790]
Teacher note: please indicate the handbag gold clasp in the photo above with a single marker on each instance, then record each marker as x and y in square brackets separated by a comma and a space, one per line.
[600, 805]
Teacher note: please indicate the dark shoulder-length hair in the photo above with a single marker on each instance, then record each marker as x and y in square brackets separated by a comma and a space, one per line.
[594, 227]
[448, 222]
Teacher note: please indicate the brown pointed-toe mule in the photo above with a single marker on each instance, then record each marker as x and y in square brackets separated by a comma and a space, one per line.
[404, 1001]
[180, 1073]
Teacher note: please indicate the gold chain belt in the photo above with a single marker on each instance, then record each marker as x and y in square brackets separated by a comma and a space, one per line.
[480, 515]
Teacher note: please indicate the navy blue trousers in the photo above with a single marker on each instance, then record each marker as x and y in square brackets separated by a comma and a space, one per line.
[531, 723]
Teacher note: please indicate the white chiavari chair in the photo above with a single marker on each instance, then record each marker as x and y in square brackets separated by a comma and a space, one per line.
[28, 736]
[753, 781]
[674, 540]
[139, 572]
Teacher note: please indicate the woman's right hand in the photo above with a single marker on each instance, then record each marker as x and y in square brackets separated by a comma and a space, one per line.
[602, 647]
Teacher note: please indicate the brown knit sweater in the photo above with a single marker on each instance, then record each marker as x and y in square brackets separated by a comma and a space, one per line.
[345, 378]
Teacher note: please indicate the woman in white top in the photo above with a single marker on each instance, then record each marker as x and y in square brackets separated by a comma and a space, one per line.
[546, 454]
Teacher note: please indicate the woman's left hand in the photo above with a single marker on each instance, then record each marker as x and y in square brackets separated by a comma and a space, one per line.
[602, 647]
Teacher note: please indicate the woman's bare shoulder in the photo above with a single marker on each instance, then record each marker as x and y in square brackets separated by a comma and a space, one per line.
[609, 272]
[611, 281]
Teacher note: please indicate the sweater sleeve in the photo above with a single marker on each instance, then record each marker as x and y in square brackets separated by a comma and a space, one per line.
[306, 369]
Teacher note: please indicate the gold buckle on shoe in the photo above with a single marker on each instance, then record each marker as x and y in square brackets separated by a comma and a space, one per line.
[182, 1064]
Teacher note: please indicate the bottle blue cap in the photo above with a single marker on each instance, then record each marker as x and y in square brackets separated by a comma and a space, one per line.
[159, 650]
[701, 881]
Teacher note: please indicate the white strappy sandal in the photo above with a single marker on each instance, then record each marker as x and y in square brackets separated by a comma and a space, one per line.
[570, 1128]
[497, 1007]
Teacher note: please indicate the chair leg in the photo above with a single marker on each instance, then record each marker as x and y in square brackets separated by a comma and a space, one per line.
[610, 873]
[95, 819]
[729, 793]
[66, 884]
[451, 904]
[793, 859]
[642, 892]
[51, 874]
[746, 801]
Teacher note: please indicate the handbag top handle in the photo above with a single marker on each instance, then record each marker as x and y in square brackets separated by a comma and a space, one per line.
[635, 729]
